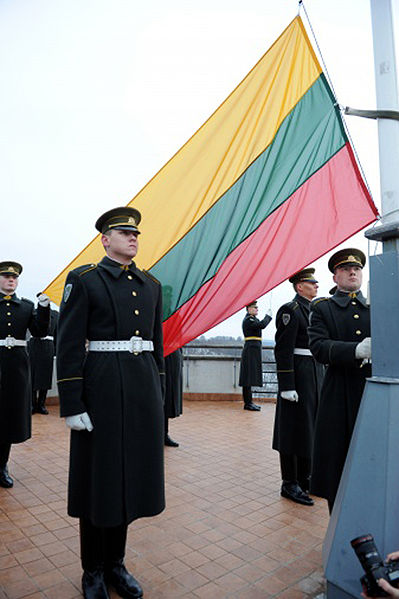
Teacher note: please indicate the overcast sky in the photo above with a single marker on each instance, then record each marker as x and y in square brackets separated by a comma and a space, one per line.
[96, 95]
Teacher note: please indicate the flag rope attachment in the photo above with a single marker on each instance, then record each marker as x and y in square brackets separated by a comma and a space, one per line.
[337, 104]
[301, 5]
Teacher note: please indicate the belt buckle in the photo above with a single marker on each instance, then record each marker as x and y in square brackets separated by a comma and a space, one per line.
[10, 342]
[136, 344]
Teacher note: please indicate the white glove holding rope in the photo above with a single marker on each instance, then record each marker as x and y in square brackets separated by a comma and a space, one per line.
[363, 349]
[43, 300]
[269, 313]
[290, 395]
[79, 422]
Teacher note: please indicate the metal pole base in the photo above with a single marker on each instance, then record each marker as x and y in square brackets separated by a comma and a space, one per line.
[368, 495]
[333, 592]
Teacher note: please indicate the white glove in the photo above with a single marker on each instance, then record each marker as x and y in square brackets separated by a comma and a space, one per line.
[79, 422]
[269, 313]
[290, 395]
[43, 300]
[363, 349]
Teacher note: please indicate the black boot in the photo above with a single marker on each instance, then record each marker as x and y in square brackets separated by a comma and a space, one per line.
[304, 470]
[170, 443]
[304, 483]
[93, 585]
[248, 403]
[115, 572]
[123, 582]
[41, 409]
[167, 440]
[252, 406]
[291, 490]
[5, 479]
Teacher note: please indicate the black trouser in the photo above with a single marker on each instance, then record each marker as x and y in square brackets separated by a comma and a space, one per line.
[39, 397]
[101, 547]
[247, 395]
[5, 449]
[295, 469]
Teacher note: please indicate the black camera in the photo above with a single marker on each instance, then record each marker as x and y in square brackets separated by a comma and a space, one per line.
[374, 566]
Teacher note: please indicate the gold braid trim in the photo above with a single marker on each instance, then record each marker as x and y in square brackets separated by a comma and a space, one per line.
[322, 299]
[151, 277]
[87, 270]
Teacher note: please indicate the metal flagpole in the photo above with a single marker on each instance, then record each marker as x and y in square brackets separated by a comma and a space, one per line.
[368, 496]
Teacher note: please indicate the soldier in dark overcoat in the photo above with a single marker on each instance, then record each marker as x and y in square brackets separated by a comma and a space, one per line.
[111, 396]
[173, 391]
[299, 378]
[17, 316]
[41, 352]
[251, 357]
[339, 336]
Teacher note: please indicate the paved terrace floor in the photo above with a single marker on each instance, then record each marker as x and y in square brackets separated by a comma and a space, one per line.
[226, 532]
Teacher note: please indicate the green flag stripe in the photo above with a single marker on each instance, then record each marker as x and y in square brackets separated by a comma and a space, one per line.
[309, 136]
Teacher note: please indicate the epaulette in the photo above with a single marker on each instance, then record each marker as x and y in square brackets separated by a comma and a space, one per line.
[293, 305]
[151, 276]
[319, 299]
[25, 299]
[82, 270]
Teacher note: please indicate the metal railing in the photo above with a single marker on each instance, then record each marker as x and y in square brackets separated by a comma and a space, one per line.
[232, 353]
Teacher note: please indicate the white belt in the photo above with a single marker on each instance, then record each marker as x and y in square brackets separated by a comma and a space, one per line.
[48, 337]
[134, 344]
[12, 342]
[299, 351]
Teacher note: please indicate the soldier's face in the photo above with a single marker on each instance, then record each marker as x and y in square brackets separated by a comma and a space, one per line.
[253, 310]
[307, 289]
[120, 245]
[348, 278]
[8, 283]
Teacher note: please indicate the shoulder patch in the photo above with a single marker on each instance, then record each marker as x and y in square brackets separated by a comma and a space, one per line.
[67, 292]
[285, 318]
[151, 277]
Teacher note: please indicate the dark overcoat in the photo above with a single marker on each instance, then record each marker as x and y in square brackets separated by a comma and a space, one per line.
[337, 325]
[295, 421]
[251, 357]
[17, 316]
[116, 471]
[41, 352]
[174, 384]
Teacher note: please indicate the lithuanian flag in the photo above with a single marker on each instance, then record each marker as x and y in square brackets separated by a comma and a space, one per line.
[266, 186]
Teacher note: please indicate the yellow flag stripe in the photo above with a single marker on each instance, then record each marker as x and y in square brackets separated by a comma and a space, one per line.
[210, 162]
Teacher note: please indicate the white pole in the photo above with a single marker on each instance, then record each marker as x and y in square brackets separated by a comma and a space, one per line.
[387, 99]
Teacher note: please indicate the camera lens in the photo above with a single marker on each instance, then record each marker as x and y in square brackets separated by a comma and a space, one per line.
[367, 552]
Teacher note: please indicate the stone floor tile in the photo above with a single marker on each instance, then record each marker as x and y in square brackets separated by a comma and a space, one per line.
[38, 567]
[63, 590]
[7, 561]
[43, 538]
[226, 533]
[20, 589]
[29, 555]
